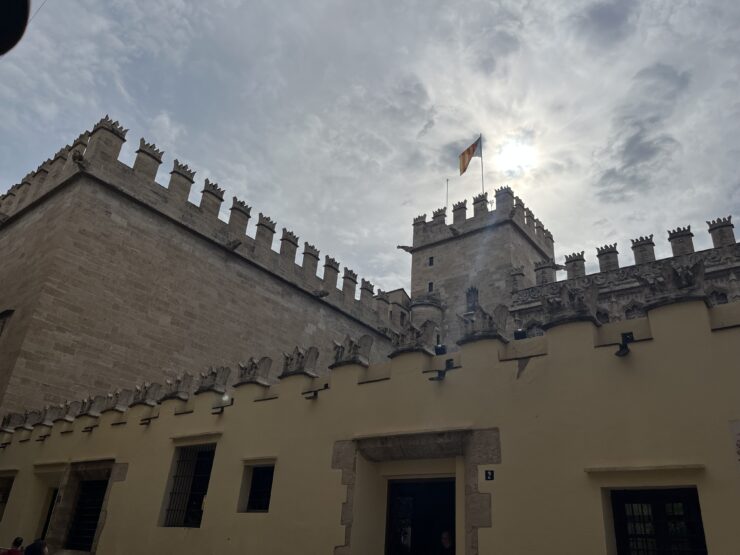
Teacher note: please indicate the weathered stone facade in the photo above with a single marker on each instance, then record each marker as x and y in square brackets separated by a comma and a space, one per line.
[495, 251]
[110, 278]
[113, 279]
[617, 294]
[135, 325]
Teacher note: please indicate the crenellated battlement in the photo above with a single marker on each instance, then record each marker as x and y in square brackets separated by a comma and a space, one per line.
[508, 209]
[150, 149]
[616, 293]
[93, 157]
[183, 170]
[299, 377]
[110, 125]
[213, 188]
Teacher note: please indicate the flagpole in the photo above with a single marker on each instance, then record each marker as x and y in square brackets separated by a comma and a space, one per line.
[482, 184]
[447, 195]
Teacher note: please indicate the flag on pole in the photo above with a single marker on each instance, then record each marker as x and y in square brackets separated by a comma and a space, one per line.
[468, 154]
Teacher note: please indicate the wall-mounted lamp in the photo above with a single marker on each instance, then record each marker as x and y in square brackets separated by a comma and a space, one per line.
[624, 349]
[441, 374]
[314, 393]
[221, 403]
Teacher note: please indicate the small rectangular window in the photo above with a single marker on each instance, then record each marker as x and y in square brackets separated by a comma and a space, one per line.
[430, 287]
[192, 472]
[431, 261]
[4, 318]
[403, 318]
[256, 488]
[6, 484]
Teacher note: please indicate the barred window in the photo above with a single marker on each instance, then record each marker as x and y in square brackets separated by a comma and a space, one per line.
[189, 485]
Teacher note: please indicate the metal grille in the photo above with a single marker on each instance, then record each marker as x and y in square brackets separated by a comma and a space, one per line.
[90, 498]
[189, 485]
[658, 522]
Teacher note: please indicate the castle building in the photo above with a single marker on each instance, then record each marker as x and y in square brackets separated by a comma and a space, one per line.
[171, 383]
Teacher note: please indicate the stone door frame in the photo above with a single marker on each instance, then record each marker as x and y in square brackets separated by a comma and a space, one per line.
[66, 500]
[477, 447]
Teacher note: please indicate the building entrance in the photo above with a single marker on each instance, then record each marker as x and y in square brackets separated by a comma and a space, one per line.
[420, 512]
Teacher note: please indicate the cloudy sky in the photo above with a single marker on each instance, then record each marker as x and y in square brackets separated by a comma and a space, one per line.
[342, 119]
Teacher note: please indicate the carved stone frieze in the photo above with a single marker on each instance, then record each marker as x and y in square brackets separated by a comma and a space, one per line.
[214, 379]
[415, 339]
[254, 371]
[350, 351]
[627, 293]
[479, 324]
[178, 388]
[147, 394]
[300, 361]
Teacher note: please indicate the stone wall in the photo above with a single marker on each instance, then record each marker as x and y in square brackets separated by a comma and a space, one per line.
[481, 252]
[115, 279]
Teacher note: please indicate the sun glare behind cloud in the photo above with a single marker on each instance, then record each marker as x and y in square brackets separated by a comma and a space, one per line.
[515, 158]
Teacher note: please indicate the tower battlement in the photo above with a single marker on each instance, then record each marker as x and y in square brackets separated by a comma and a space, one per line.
[618, 293]
[509, 209]
[94, 155]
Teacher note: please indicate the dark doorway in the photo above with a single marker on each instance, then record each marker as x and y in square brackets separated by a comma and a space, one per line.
[658, 522]
[90, 498]
[419, 512]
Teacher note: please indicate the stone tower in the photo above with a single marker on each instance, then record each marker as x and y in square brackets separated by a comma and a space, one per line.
[475, 261]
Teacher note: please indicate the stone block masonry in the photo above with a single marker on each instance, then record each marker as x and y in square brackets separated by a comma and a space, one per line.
[113, 279]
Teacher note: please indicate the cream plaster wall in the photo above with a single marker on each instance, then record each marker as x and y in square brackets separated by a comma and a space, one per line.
[574, 421]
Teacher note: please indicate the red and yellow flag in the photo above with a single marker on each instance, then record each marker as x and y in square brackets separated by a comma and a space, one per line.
[468, 154]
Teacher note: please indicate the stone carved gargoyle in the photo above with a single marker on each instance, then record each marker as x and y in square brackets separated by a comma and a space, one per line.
[478, 324]
[571, 303]
[688, 276]
[32, 418]
[300, 361]
[13, 420]
[119, 401]
[147, 394]
[214, 379]
[255, 371]
[411, 338]
[93, 406]
[52, 413]
[179, 388]
[72, 410]
[353, 352]
[672, 280]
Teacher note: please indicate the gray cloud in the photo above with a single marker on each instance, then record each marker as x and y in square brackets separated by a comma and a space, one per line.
[606, 23]
[640, 148]
[343, 120]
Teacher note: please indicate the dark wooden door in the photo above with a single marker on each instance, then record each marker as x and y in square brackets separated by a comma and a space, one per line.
[419, 511]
